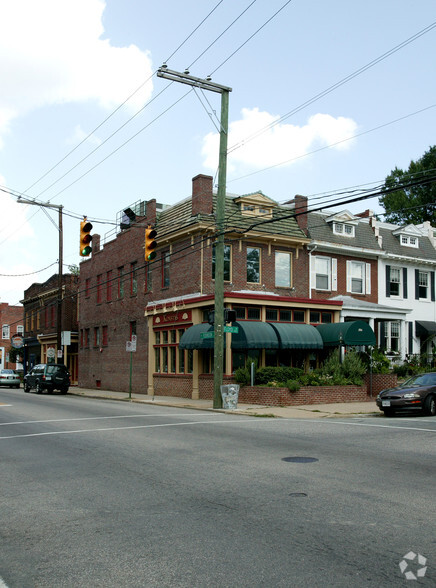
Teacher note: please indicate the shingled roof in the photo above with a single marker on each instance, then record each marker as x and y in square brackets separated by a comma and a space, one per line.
[180, 216]
[319, 230]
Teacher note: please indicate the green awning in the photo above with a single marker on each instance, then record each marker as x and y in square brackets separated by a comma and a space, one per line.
[254, 335]
[352, 333]
[296, 336]
[192, 339]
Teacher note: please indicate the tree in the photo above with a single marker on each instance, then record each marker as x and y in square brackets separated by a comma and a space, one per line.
[416, 203]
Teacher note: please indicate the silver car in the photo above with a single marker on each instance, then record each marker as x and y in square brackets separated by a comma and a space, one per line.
[9, 378]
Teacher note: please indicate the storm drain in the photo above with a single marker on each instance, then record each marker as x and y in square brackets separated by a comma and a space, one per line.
[299, 459]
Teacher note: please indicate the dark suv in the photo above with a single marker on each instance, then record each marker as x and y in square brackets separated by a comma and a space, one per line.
[47, 376]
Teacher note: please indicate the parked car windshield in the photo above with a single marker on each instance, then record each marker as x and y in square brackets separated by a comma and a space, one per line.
[5, 371]
[421, 380]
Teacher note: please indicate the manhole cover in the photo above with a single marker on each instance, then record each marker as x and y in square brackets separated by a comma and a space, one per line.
[299, 459]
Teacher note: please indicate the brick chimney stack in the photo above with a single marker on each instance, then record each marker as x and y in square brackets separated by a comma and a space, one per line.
[202, 192]
[300, 204]
[151, 211]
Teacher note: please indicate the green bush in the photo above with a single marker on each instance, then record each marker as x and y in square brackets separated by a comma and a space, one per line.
[265, 375]
[293, 385]
[242, 376]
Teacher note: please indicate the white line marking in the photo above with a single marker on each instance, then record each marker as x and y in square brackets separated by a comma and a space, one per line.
[125, 416]
[243, 420]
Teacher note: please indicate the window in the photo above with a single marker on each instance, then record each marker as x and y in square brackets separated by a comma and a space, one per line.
[87, 286]
[324, 273]
[109, 286]
[253, 265]
[168, 358]
[132, 329]
[20, 329]
[423, 285]
[105, 339]
[6, 332]
[343, 229]
[120, 282]
[99, 294]
[86, 337]
[227, 264]
[392, 336]
[133, 279]
[395, 281]
[271, 314]
[409, 241]
[283, 269]
[253, 314]
[96, 336]
[358, 277]
[165, 269]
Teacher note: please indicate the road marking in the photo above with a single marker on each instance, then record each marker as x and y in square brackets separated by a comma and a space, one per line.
[124, 416]
[243, 420]
[376, 425]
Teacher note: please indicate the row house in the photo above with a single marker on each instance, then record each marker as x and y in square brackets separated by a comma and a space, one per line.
[383, 274]
[163, 306]
[40, 305]
[11, 320]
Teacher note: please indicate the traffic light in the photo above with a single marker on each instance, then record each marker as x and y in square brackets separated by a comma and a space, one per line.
[85, 238]
[150, 244]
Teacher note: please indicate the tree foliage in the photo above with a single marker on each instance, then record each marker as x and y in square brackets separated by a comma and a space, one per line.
[414, 204]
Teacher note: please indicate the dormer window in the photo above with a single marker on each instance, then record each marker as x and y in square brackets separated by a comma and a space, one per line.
[343, 229]
[409, 241]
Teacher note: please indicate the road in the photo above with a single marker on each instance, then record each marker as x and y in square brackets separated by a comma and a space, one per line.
[115, 494]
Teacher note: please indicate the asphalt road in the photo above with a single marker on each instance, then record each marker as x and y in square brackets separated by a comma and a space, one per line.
[104, 493]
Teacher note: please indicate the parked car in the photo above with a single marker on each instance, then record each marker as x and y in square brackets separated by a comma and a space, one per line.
[9, 378]
[418, 393]
[47, 376]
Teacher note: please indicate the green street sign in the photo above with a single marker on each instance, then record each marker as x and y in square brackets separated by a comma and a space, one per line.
[231, 329]
[207, 335]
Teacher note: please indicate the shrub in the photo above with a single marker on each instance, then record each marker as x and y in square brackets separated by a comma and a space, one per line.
[265, 375]
[242, 376]
[293, 385]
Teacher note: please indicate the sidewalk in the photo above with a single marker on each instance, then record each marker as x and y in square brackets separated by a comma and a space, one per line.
[343, 409]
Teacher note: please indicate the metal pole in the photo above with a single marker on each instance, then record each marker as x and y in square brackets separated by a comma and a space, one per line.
[59, 305]
[219, 256]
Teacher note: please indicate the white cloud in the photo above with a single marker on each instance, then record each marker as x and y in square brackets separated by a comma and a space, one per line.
[52, 52]
[279, 143]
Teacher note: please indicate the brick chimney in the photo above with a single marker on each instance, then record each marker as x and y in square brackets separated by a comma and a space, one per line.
[300, 204]
[151, 211]
[202, 191]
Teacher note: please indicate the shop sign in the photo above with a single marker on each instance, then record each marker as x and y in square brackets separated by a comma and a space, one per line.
[17, 341]
[168, 318]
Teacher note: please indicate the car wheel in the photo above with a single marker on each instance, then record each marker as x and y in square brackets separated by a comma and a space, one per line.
[389, 412]
[26, 388]
[38, 388]
[430, 405]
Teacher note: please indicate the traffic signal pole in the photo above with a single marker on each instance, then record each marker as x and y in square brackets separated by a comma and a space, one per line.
[59, 207]
[207, 84]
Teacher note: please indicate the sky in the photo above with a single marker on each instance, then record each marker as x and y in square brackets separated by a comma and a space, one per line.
[326, 98]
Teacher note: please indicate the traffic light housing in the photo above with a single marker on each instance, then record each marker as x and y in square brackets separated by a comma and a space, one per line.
[150, 244]
[85, 238]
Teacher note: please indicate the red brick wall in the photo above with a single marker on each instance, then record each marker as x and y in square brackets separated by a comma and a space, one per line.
[380, 382]
[306, 395]
[342, 280]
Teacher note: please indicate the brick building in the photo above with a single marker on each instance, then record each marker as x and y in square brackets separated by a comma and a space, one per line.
[40, 322]
[165, 303]
[12, 323]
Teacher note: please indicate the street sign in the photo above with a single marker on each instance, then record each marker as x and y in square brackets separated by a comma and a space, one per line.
[207, 335]
[231, 329]
[131, 345]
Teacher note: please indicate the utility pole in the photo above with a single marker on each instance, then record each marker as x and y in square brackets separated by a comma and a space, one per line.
[59, 297]
[219, 340]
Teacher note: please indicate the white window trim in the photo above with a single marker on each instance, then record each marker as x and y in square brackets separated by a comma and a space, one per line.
[332, 275]
[342, 230]
[366, 285]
